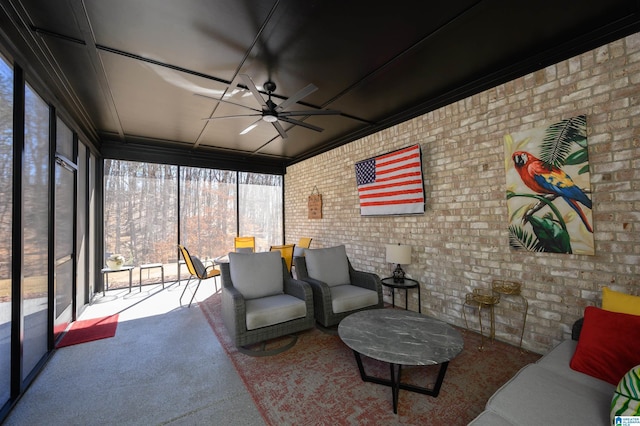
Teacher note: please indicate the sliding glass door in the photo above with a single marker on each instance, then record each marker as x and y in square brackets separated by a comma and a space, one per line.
[64, 218]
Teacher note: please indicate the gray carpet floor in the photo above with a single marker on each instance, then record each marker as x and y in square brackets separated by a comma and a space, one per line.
[164, 366]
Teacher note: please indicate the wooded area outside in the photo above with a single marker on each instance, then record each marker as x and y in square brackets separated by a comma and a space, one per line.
[6, 177]
[146, 203]
[6, 222]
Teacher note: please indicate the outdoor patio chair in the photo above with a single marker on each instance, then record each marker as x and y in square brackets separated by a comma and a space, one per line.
[338, 289]
[197, 270]
[303, 243]
[245, 244]
[261, 302]
[286, 251]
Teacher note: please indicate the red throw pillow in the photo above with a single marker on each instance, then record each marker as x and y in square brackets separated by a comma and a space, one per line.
[608, 346]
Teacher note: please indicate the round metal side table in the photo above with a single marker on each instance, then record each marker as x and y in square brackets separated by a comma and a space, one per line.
[406, 285]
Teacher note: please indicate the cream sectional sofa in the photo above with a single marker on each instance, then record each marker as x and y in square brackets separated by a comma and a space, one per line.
[548, 392]
[575, 383]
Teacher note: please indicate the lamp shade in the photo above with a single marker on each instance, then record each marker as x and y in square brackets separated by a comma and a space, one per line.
[398, 253]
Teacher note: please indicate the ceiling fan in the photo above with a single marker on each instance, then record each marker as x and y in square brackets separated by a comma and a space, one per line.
[273, 113]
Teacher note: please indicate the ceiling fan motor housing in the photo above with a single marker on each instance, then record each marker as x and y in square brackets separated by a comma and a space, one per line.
[269, 86]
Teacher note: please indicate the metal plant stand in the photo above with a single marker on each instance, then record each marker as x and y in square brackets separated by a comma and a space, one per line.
[513, 288]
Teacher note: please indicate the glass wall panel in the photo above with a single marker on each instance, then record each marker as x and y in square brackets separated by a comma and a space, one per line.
[141, 221]
[6, 207]
[207, 211]
[91, 284]
[35, 199]
[261, 210]
[82, 242]
[64, 140]
[140, 216]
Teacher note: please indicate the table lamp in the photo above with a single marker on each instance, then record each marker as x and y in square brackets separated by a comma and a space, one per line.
[399, 254]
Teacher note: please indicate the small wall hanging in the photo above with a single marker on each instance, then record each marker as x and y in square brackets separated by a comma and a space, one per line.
[549, 189]
[315, 204]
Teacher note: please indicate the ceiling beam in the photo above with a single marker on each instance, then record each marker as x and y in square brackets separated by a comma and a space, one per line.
[165, 152]
[84, 25]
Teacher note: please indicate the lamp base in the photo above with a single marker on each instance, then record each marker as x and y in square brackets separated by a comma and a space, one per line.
[398, 275]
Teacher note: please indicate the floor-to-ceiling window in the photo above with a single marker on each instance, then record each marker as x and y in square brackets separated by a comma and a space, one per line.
[6, 221]
[82, 226]
[207, 210]
[145, 205]
[140, 215]
[260, 208]
[35, 230]
[39, 264]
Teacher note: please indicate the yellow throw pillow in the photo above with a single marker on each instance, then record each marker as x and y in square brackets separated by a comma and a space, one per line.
[614, 301]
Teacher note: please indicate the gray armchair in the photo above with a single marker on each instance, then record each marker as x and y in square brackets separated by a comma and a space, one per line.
[338, 289]
[261, 301]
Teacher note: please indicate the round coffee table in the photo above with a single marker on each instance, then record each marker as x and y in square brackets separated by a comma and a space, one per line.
[401, 338]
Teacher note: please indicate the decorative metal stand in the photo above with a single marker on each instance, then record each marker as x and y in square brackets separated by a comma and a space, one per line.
[513, 288]
[488, 298]
[482, 298]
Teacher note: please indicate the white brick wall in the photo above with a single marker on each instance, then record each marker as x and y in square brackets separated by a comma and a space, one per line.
[461, 242]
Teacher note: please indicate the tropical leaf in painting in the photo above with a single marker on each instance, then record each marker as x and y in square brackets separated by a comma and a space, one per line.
[559, 137]
[578, 157]
[550, 235]
[519, 239]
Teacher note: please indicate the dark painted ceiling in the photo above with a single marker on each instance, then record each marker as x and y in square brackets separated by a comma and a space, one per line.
[127, 70]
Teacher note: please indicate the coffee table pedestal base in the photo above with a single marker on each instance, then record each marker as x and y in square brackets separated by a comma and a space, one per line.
[396, 384]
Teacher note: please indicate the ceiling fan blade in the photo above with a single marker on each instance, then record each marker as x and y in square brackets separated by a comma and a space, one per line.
[311, 112]
[233, 116]
[296, 97]
[256, 93]
[251, 126]
[280, 129]
[301, 123]
[227, 102]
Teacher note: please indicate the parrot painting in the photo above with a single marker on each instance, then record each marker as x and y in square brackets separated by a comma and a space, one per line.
[545, 179]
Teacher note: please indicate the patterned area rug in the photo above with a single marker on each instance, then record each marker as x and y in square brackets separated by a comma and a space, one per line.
[317, 381]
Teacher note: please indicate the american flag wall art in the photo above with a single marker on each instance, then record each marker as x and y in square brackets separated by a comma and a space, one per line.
[391, 183]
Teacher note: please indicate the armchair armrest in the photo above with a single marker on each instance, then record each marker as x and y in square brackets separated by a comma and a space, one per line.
[367, 280]
[297, 288]
[233, 304]
[320, 289]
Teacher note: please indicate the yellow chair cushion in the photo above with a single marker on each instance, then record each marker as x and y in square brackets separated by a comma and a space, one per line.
[614, 301]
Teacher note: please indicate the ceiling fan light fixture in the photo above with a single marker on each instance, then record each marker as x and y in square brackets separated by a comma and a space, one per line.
[270, 118]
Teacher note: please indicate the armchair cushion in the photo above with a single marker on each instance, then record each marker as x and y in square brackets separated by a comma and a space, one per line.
[329, 265]
[256, 275]
[273, 310]
[349, 297]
